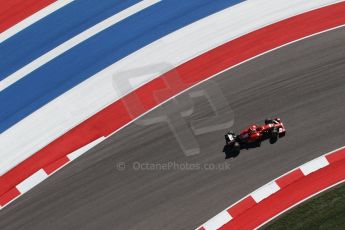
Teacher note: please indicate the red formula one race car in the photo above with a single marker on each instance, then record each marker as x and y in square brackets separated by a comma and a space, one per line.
[253, 135]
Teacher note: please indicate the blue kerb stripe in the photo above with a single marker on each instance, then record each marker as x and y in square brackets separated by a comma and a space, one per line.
[54, 30]
[98, 52]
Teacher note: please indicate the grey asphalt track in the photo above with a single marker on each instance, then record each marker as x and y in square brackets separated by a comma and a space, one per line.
[303, 83]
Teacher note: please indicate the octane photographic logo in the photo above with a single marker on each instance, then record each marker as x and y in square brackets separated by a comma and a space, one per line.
[179, 108]
[171, 166]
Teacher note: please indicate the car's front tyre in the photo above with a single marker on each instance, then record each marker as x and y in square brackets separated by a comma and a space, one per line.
[274, 136]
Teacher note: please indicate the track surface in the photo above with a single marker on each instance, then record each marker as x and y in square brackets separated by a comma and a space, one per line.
[303, 83]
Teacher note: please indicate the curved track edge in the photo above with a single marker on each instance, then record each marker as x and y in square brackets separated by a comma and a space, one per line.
[192, 73]
[282, 193]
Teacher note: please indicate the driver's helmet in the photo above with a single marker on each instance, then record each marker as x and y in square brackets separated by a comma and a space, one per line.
[253, 128]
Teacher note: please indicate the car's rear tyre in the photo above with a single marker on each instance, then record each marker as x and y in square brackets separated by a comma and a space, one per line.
[236, 149]
[232, 150]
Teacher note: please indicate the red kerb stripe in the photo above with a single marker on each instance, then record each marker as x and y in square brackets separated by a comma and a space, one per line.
[14, 11]
[153, 93]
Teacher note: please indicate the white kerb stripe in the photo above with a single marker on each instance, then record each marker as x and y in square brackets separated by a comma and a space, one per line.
[32, 181]
[19, 74]
[314, 165]
[84, 149]
[32, 19]
[265, 191]
[218, 221]
[327, 154]
[108, 85]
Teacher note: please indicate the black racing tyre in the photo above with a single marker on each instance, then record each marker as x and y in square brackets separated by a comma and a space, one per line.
[274, 136]
[236, 149]
[268, 121]
[237, 146]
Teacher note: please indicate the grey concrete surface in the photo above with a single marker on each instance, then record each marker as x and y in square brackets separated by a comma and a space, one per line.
[303, 83]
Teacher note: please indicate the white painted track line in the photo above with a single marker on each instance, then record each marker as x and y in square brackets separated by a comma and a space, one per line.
[19, 74]
[97, 92]
[217, 221]
[33, 19]
[314, 165]
[84, 149]
[265, 191]
[32, 181]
